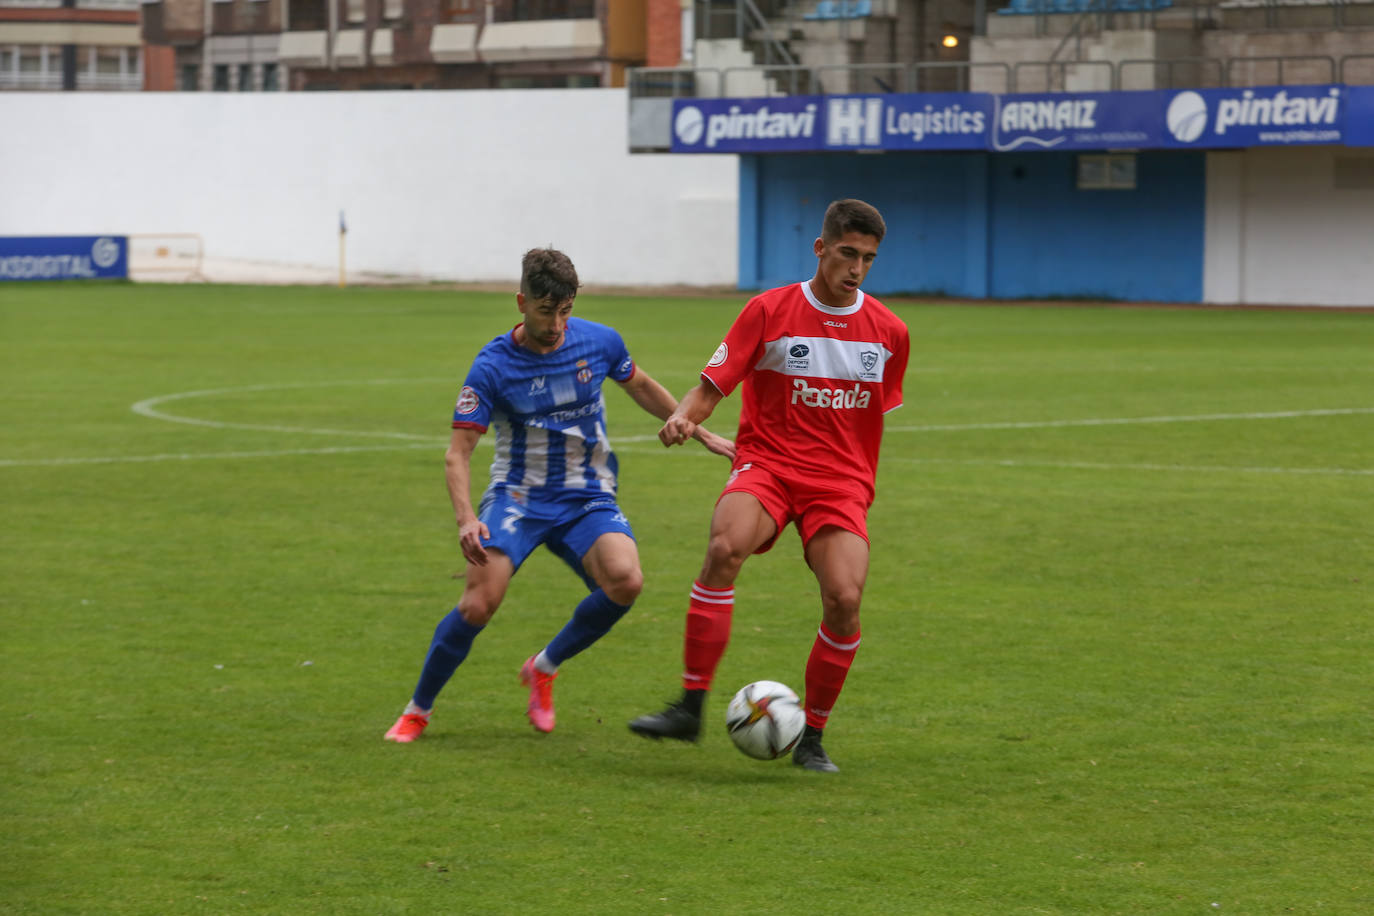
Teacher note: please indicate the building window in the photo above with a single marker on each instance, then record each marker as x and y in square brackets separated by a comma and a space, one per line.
[245, 78]
[456, 10]
[269, 78]
[108, 61]
[393, 9]
[1106, 172]
[357, 10]
[529, 10]
[549, 81]
[221, 81]
[190, 78]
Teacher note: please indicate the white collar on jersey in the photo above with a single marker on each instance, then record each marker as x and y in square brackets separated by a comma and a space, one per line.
[828, 309]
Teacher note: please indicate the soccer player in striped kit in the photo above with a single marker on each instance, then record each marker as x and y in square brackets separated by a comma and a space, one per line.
[819, 363]
[553, 481]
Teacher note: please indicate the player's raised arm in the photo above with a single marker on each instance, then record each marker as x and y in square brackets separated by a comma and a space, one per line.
[658, 401]
[458, 475]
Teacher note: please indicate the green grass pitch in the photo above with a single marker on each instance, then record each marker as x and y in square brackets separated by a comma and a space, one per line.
[1117, 653]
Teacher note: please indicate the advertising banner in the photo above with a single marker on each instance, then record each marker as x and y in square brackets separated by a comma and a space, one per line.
[924, 121]
[63, 257]
[1359, 116]
[1067, 120]
[1258, 116]
[1148, 119]
[773, 125]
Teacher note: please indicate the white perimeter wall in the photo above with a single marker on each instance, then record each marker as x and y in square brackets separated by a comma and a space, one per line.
[450, 185]
[1280, 232]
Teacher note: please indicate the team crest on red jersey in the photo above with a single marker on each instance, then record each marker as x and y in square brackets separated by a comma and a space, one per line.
[467, 400]
[718, 358]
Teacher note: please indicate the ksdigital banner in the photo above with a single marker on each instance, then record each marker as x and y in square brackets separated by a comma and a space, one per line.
[1149, 119]
[63, 257]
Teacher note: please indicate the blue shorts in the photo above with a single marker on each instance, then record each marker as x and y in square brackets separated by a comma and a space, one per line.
[567, 527]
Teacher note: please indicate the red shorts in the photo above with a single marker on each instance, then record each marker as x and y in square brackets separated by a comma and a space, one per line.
[812, 504]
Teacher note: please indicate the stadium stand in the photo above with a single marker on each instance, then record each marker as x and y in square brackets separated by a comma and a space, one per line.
[840, 9]
[1038, 7]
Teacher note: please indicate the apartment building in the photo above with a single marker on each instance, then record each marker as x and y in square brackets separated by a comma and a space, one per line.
[269, 45]
[70, 44]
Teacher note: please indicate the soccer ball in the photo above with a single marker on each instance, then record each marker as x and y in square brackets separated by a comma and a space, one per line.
[765, 719]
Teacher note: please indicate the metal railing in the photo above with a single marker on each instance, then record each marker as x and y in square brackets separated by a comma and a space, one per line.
[1050, 76]
[1092, 76]
[1324, 65]
[1047, 15]
[1200, 67]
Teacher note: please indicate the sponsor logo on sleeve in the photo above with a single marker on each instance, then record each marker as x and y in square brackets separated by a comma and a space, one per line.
[467, 401]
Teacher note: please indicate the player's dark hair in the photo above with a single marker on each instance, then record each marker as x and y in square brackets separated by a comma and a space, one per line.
[548, 274]
[851, 215]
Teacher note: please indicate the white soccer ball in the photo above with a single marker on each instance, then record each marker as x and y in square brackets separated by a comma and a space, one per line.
[765, 719]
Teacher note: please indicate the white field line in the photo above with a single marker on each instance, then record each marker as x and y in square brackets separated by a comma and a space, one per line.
[149, 407]
[1128, 466]
[1132, 421]
[208, 456]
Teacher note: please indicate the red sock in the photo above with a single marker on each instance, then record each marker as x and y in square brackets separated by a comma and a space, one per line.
[708, 631]
[830, 659]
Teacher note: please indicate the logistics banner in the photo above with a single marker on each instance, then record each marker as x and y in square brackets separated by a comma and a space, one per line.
[933, 120]
[63, 257]
[1149, 119]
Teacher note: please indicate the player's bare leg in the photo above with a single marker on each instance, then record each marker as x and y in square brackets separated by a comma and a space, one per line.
[839, 558]
[738, 526]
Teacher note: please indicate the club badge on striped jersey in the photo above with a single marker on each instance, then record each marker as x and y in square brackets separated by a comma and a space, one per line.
[467, 401]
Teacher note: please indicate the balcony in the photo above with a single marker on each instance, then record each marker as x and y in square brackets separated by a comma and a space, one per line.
[454, 43]
[303, 49]
[549, 39]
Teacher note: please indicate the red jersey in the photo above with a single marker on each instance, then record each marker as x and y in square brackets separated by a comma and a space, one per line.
[816, 383]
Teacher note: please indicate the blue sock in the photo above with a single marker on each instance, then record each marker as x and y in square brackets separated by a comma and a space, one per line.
[593, 619]
[452, 639]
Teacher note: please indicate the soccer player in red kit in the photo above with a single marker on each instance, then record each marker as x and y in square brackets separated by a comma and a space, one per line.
[819, 363]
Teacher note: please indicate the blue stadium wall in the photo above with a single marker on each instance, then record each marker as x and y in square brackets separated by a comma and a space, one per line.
[985, 225]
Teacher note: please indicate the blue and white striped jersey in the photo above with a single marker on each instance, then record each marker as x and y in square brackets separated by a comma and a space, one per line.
[547, 411]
